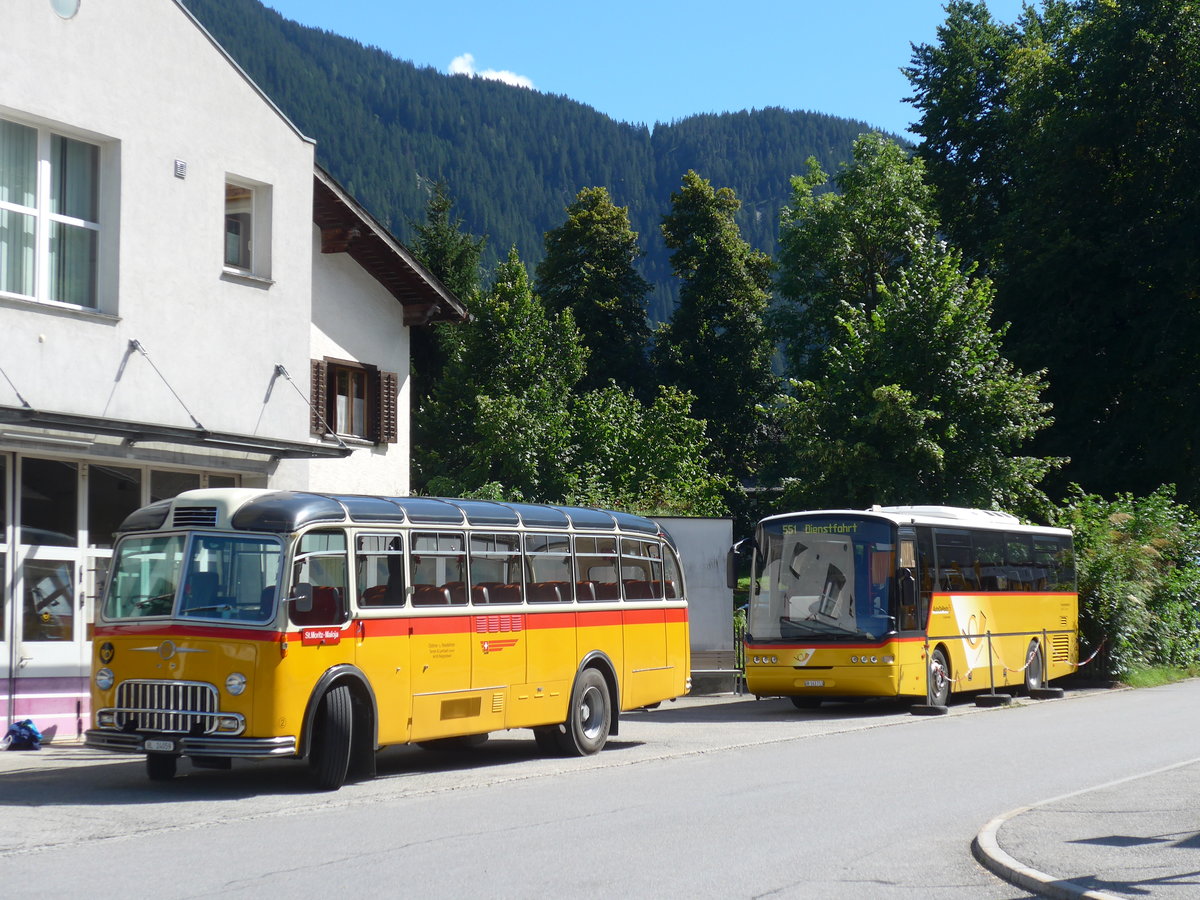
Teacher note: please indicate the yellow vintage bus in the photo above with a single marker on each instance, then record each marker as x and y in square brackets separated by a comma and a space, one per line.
[241, 623]
[907, 601]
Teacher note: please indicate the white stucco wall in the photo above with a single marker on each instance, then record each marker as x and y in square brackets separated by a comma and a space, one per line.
[354, 318]
[144, 81]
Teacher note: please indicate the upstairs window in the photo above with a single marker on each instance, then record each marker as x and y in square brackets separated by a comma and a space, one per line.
[355, 401]
[239, 224]
[247, 231]
[49, 216]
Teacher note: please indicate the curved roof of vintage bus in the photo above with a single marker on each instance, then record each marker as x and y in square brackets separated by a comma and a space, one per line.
[248, 509]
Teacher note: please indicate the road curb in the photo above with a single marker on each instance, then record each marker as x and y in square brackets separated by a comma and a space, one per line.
[986, 850]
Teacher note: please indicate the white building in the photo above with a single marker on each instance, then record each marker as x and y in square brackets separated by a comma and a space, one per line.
[177, 280]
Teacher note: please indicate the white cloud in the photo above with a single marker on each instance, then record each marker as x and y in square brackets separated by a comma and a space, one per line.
[465, 65]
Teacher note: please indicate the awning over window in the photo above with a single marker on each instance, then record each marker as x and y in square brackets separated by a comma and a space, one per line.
[144, 432]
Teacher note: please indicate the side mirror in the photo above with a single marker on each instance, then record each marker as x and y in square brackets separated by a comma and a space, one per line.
[738, 552]
[301, 598]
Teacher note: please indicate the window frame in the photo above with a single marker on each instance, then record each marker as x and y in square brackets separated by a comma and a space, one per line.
[255, 230]
[51, 224]
[381, 424]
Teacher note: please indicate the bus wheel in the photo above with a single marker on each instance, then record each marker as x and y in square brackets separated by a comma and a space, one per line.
[160, 766]
[1033, 667]
[939, 674]
[589, 716]
[329, 758]
[805, 702]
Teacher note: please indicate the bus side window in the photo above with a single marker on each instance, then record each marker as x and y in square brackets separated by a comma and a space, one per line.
[908, 585]
[321, 562]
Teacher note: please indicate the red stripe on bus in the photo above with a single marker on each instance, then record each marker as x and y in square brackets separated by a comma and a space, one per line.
[192, 631]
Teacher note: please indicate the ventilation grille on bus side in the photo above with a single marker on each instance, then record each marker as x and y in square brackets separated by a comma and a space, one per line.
[195, 517]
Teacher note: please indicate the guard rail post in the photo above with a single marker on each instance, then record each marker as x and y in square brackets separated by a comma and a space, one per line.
[991, 698]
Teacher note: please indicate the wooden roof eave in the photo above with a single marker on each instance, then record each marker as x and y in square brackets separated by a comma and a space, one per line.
[348, 228]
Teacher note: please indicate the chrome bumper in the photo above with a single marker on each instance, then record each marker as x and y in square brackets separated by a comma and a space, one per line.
[187, 745]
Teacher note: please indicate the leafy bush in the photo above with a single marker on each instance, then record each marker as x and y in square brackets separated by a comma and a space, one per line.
[1138, 562]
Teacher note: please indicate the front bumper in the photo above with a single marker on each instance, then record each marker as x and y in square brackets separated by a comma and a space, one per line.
[190, 745]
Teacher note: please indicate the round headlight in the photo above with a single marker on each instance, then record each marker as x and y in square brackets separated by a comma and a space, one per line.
[104, 678]
[854, 659]
[235, 683]
[874, 659]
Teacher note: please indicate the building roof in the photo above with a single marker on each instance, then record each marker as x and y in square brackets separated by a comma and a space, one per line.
[348, 228]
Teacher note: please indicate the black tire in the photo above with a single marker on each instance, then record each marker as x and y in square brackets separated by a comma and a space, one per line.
[589, 716]
[806, 702]
[939, 675]
[333, 728]
[1033, 667]
[161, 766]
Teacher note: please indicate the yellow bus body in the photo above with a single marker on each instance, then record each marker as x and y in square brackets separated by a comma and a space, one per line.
[959, 625]
[417, 674]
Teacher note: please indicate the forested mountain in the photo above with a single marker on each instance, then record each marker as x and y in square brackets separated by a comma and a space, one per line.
[513, 158]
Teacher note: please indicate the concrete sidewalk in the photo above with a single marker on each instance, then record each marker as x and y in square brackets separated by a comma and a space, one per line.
[1136, 837]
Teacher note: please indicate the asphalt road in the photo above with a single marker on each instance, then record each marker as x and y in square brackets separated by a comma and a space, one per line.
[706, 797]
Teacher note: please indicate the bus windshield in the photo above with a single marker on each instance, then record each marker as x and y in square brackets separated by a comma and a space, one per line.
[206, 576]
[825, 578]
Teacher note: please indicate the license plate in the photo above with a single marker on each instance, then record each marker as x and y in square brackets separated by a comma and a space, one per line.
[814, 684]
[159, 746]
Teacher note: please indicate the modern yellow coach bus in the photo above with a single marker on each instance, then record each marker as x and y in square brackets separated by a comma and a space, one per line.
[247, 623]
[907, 601]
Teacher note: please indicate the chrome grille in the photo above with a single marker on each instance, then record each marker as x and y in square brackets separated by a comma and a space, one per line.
[182, 707]
[195, 517]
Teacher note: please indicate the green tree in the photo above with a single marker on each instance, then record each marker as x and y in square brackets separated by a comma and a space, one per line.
[499, 418]
[453, 256]
[717, 346]
[645, 459]
[1138, 567]
[915, 403]
[840, 246]
[1064, 150]
[589, 268]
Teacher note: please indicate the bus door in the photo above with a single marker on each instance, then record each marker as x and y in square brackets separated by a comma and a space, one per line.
[383, 630]
[499, 639]
[440, 659]
[915, 585]
[319, 573]
[647, 675]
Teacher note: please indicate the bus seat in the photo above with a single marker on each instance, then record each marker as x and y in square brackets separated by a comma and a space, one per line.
[638, 590]
[608, 590]
[266, 601]
[326, 608]
[430, 595]
[201, 592]
[456, 592]
[374, 596]
[506, 593]
[546, 592]
[585, 591]
[672, 592]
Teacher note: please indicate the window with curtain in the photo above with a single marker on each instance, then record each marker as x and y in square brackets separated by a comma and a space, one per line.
[49, 228]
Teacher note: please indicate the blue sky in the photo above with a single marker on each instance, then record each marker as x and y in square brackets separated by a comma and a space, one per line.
[653, 61]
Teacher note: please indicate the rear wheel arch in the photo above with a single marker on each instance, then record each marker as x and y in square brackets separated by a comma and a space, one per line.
[600, 661]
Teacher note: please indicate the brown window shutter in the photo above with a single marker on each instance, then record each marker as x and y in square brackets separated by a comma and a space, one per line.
[318, 397]
[388, 394]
